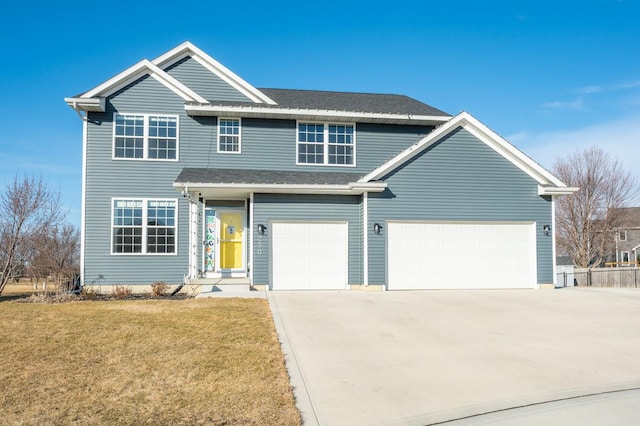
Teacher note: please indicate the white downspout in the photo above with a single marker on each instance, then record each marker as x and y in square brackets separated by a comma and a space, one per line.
[553, 239]
[251, 235]
[365, 238]
[83, 204]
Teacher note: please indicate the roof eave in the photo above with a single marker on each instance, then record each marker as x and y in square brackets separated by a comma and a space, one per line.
[194, 109]
[557, 190]
[353, 188]
[87, 104]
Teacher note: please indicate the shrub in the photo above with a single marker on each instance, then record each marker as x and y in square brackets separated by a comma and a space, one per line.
[90, 292]
[120, 292]
[159, 289]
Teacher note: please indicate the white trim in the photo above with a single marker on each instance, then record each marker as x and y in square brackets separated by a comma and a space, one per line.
[87, 104]
[83, 215]
[239, 151]
[486, 135]
[354, 188]
[188, 49]
[553, 241]
[325, 144]
[144, 225]
[554, 191]
[365, 237]
[258, 111]
[251, 236]
[138, 70]
[145, 137]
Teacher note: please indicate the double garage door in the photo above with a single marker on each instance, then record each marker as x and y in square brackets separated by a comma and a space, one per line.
[460, 255]
[309, 256]
[314, 256]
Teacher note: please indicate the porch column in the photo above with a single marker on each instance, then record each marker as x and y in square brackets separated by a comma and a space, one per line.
[193, 239]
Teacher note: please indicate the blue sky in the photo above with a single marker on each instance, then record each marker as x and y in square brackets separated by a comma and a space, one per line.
[550, 76]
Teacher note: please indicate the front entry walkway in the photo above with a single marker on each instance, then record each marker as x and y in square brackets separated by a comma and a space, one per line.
[424, 357]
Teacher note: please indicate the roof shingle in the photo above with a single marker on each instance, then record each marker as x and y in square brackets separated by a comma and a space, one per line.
[265, 177]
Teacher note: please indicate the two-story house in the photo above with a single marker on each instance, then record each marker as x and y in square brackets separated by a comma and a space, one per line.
[626, 236]
[189, 171]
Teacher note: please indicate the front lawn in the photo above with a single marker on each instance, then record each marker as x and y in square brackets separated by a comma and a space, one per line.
[194, 361]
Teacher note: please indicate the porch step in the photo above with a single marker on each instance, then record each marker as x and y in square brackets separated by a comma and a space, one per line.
[226, 285]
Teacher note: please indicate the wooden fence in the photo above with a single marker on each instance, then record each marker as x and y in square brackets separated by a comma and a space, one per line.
[601, 277]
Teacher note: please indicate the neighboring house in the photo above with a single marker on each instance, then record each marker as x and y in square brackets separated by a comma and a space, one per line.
[191, 172]
[626, 236]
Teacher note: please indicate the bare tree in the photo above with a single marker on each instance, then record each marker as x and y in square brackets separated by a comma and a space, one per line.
[585, 221]
[28, 209]
[57, 253]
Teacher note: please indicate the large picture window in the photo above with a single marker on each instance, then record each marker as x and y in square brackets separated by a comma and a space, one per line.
[144, 226]
[326, 143]
[145, 137]
[229, 135]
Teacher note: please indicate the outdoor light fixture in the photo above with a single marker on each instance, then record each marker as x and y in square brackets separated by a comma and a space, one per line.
[546, 229]
[262, 229]
[377, 228]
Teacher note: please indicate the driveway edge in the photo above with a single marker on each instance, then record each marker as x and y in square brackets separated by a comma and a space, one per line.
[300, 390]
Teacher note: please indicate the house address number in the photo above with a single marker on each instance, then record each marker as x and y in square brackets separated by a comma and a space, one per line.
[260, 244]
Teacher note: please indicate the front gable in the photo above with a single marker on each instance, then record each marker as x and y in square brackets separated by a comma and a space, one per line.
[547, 183]
[226, 84]
[207, 84]
[461, 178]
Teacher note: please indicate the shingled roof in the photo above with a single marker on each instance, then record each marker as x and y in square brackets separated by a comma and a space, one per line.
[350, 101]
[264, 177]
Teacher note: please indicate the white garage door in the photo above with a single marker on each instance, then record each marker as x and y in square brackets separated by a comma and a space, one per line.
[461, 255]
[309, 256]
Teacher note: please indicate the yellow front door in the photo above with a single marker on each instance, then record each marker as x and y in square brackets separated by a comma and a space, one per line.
[231, 233]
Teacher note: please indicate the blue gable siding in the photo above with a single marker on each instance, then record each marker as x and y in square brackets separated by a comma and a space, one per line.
[199, 79]
[459, 178]
[107, 178]
[268, 207]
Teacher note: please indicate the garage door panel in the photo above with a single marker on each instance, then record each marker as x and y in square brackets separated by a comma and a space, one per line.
[461, 255]
[309, 256]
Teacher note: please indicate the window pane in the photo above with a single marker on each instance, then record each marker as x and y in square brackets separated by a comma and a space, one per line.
[229, 135]
[129, 132]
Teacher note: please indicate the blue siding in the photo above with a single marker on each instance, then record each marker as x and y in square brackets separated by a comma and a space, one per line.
[268, 207]
[208, 85]
[107, 178]
[459, 178]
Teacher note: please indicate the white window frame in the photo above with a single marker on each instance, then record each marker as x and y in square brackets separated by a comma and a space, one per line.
[239, 151]
[622, 253]
[622, 235]
[144, 226]
[145, 137]
[325, 143]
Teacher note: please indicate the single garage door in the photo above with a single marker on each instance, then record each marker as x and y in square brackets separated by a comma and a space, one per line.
[461, 255]
[309, 256]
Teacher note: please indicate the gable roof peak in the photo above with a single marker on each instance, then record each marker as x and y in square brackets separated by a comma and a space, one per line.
[547, 183]
[189, 49]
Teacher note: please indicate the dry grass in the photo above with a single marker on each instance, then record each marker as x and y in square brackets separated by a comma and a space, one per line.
[195, 361]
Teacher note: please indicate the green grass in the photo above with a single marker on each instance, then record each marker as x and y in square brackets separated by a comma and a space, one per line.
[194, 361]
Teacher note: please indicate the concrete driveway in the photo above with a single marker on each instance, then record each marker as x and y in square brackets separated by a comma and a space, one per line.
[423, 357]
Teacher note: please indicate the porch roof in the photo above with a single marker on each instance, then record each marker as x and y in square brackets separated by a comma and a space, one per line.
[226, 183]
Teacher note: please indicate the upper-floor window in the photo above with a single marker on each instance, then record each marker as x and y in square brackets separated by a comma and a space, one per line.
[229, 135]
[326, 143]
[143, 226]
[623, 235]
[145, 137]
